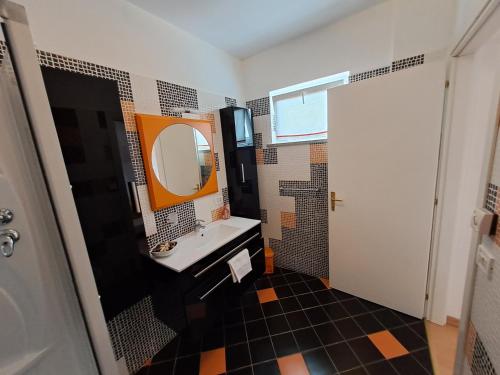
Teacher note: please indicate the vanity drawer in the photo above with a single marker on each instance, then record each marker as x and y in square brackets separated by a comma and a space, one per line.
[205, 303]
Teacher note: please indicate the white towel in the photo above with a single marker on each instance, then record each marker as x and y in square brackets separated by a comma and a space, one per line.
[240, 265]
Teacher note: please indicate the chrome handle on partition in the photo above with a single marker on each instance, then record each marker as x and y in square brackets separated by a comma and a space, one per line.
[8, 238]
[135, 197]
[243, 173]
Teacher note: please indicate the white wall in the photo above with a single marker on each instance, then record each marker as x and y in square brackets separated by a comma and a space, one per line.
[117, 34]
[370, 39]
[467, 10]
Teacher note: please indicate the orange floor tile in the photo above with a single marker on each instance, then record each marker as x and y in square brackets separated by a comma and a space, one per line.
[293, 365]
[267, 295]
[387, 344]
[213, 362]
[325, 281]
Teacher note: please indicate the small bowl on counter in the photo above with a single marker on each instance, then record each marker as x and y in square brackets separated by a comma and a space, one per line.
[163, 250]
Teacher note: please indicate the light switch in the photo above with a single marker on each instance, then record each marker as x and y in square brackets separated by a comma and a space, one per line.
[485, 260]
[482, 220]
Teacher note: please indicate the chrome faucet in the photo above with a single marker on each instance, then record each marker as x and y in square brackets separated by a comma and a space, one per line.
[198, 225]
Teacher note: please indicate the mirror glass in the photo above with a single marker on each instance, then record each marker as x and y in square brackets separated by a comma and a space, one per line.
[182, 160]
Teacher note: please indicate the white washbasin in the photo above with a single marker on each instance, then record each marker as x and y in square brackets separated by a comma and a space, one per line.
[195, 246]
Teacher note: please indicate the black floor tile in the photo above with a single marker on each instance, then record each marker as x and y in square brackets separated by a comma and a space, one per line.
[388, 318]
[293, 278]
[233, 317]
[263, 283]
[187, 365]
[249, 299]
[365, 350]
[283, 291]
[235, 334]
[325, 296]
[342, 356]
[407, 318]
[368, 323]
[284, 344]
[278, 280]
[145, 371]
[370, 306]
[316, 285]
[253, 312]
[319, 363]
[237, 356]
[306, 339]
[213, 339]
[381, 368]
[409, 338]
[277, 324]
[419, 327]
[341, 295]
[299, 288]
[272, 308]
[335, 311]
[348, 328]
[290, 304]
[257, 329]
[328, 333]
[266, 368]
[306, 277]
[307, 300]
[423, 357]
[168, 352]
[241, 371]
[407, 365]
[188, 346]
[353, 306]
[355, 371]
[317, 315]
[261, 350]
[297, 319]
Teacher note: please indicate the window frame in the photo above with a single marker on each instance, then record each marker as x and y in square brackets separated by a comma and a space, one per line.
[316, 85]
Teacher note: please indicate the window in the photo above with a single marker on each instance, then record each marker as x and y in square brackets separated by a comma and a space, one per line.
[299, 112]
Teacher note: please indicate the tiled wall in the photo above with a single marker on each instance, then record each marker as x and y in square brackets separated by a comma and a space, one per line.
[293, 188]
[136, 334]
[483, 338]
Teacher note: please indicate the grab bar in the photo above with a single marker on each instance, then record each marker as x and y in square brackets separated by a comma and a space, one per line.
[224, 279]
[300, 189]
[225, 255]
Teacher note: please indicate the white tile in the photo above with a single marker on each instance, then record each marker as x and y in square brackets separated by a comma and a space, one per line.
[262, 124]
[147, 214]
[203, 206]
[145, 93]
[210, 102]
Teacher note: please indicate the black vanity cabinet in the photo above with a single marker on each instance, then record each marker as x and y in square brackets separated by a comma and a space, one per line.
[241, 166]
[194, 300]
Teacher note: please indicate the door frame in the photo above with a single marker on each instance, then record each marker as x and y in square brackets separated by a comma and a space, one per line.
[43, 129]
[477, 35]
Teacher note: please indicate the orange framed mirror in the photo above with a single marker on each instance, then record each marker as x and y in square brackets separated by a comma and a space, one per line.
[179, 159]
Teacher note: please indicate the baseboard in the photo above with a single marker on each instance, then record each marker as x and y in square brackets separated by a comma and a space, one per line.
[451, 321]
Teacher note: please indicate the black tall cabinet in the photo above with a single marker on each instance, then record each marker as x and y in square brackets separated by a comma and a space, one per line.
[241, 166]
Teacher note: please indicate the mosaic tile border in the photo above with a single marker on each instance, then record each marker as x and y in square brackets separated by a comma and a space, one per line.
[230, 102]
[481, 362]
[408, 62]
[369, 74]
[259, 107]
[491, 197]
[175, 96]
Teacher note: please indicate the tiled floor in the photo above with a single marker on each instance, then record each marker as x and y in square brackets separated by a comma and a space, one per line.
[290, 323]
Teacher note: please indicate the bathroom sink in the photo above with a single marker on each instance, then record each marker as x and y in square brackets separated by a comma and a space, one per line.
[194, 246]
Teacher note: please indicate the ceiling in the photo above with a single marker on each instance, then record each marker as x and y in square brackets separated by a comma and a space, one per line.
[245, 28]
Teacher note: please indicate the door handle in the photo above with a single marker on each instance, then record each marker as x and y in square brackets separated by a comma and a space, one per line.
[334, 199]
[135, 197]
[243, 173]
[8, 237]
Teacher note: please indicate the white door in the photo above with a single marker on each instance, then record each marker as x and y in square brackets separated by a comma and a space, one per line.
[41, 324]
[383, 147]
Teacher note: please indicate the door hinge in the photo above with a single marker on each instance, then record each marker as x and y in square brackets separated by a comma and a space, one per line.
[426, 296]
[435, 201]
[447, 84]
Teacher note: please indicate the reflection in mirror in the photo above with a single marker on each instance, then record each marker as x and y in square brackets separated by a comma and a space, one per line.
[182, 159]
